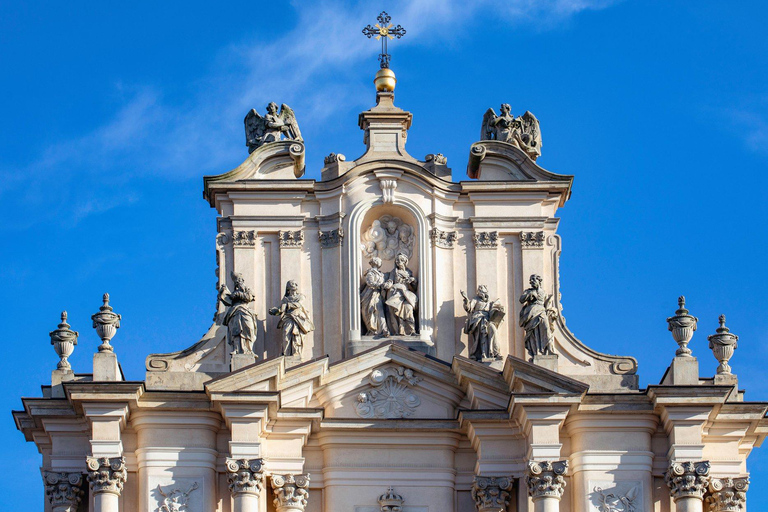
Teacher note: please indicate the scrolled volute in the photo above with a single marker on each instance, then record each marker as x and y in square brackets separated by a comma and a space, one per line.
[245, 476]
[106, 475]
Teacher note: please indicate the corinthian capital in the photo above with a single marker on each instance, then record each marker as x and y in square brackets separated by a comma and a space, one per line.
[63, 489]
[245, 476]
[491, 494]
[728, 494]
[687, 479]
[291, 492]
[546, 479]
[106, 474]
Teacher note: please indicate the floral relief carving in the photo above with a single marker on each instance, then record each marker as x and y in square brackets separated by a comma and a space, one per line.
[687, 479]
[244, 238]
[245, 476]
[532, 239]
[444, 239]
[291, 492]
[486, 239]
[546, 479]
[390, 396]
[491, 494]
[106, 474]
[175, 499]
[617, 502]
[728, 494]
[329, 239]
[63, 489]
[291, 238]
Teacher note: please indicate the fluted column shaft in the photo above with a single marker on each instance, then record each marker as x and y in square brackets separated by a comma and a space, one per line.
[687, 483]
[546, 484]
[106, 477]
[246, 480]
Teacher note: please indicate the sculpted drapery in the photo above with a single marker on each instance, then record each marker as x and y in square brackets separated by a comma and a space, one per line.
[482, 325]
[401, 298]
[239, 319]
[536, 319]
[371, 301]
[295, 321]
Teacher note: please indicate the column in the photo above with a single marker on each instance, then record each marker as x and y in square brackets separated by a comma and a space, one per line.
[106, 476]
[246, 479]
[491, 494]
[291, 492]
[546, 484]
[687, 483]
[63, 490]
[728, 494]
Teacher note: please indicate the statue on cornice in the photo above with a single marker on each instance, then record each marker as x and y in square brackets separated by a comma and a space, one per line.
[482, 324]
[372, 302]
[295, 321]
[522, 132]
[270, 128]
[239, 319]
[401, 298]
[537, 319]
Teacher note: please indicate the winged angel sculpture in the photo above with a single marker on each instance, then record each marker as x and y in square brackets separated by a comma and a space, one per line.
[522, 132]
[271, 127]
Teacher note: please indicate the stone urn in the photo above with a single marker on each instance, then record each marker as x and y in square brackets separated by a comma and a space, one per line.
[106, 322]
[682, 326]
[722, 345]
[63, 340]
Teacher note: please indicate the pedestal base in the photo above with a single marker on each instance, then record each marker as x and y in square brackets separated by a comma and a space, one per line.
[57, 377]
[684, 371]
[239, 361]
[105, 368]
[549, 361]
[368, 342]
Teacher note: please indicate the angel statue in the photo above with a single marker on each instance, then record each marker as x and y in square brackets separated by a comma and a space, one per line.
[482, 325]
[175, 500]
[537, 318]
[270, 128]
[239, 319]
[522, 132]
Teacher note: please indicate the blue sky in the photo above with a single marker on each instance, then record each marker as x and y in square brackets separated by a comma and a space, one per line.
[113, 112]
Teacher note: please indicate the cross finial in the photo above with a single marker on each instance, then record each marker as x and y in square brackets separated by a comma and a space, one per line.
[384, 30]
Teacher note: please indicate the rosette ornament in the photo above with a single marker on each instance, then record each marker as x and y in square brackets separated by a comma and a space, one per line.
[682, 326]
[722, 345]
[106, 322]
[63, 340]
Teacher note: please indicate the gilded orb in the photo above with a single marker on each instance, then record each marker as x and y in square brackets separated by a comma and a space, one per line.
[385, 80]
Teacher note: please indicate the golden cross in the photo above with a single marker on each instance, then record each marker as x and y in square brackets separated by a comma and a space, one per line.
[384, 30]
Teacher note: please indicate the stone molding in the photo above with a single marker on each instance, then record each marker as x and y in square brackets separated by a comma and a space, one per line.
[444, 239]
[490, 493]
[244, 239]
[728, 494]
[486, 239]
[63, 489]
[245, 476]
[688, 479]
[106, 475]
[291, 492]
[532, 239]
[330, 239]
[546, 479]
[291, 238]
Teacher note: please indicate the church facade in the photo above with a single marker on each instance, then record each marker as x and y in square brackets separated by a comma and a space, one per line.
[387, 339]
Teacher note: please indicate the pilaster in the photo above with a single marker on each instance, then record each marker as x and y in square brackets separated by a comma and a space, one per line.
[106, 476]
[63, 490]
[687, 482]
[491, 494]
[291, 492]
[246, 481]
[546, 484]
[727, 494]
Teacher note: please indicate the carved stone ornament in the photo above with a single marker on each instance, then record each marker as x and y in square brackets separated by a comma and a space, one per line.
[444, 239]
[388, 187]
[546, 479]
[239, 320]
[106, 322]
[390, 501]
[728, 494]
[291, 238]
[106, 475]
[618, 502]
[723, 345]
[245, 476]
[682, 326]
[532, 239]
[175, 499]
[386, 237]
[491, 494]
[63, 489]
[522, 132]
[537, 318]
[390, 396]
[486, 239]
[437, 158]
[334, 157]
[295, 320]
[63, 340]
[687, 479]
[272, 127]
[291, 492]
[330, 239]
[244, 238]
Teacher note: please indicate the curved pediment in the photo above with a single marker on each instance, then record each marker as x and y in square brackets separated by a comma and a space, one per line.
[492, 160]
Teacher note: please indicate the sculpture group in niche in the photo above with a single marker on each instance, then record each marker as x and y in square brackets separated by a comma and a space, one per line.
[387, 237]
[295, 321]
[522, 132]
[537, 319]
[271, 127]
[388, 300]
[239, 319]
[483, 320]
[372, 302]
[175, 500]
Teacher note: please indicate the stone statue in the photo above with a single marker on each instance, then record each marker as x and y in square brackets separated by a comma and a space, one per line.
[294, 319]
[372, 302]
[522, 132]
[386, 237]
[482, 325]
[175, 500]
[401, 298]
[239, 319]
[270, 128]
[537, 318]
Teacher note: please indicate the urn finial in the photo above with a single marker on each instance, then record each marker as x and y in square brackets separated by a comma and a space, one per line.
[723, 345]
[106, 322]
[682, 326]
[63, 340]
